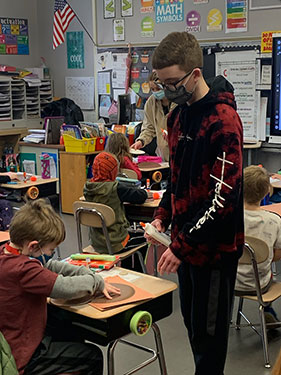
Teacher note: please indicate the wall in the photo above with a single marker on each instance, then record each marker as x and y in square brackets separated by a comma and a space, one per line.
[28, 10]
[57, 59]
[258, 20]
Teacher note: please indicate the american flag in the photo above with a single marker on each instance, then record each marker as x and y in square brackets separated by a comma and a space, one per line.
[63, 15]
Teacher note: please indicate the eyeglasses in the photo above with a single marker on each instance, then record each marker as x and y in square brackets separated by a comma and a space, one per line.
[172, 86]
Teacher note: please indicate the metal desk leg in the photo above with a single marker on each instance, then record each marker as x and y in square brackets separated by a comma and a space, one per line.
[160, 350]
[158, 353]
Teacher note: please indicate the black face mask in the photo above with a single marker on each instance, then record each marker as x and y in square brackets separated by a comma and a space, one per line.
[180, 96]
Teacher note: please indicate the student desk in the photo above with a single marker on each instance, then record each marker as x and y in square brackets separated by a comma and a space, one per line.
[276, 208]
[109, 327]
[46, 187]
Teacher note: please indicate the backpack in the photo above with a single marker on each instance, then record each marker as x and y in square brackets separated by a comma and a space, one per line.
[64, 107]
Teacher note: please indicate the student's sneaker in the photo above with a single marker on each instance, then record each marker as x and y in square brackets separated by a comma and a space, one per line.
[271, 317]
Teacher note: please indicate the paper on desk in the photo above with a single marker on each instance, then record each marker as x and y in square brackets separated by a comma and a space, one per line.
[121, 273]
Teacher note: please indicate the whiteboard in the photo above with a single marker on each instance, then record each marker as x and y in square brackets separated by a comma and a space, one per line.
[81, 90]
[264, 4]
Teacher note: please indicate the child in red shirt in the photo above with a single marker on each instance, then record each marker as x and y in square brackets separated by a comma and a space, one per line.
[118, 144]
[25, 285]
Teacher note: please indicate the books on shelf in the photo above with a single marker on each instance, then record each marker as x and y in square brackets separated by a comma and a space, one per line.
[73, 130]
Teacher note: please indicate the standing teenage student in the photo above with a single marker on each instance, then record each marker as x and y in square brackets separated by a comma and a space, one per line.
[156, 111]
[203, 200]
[25, 285]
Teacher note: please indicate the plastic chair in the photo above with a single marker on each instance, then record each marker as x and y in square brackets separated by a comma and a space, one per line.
[129, 173]
[99, 215]
[256, 251]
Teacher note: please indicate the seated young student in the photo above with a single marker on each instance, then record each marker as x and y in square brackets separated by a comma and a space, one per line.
[25, 285]
[261, 224]
[118, 145]
[103, 188]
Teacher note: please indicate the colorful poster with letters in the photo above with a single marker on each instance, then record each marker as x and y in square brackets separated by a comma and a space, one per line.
[75, 50]
[236, 16]
[193, 20]
[214, 20]
[169, 11]
[14, 36]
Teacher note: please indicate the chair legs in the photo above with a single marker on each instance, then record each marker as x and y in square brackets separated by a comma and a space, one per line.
[141, 261]
[264, 337]
[262, 334]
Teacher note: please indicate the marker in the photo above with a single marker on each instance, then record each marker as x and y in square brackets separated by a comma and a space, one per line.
[147, 183]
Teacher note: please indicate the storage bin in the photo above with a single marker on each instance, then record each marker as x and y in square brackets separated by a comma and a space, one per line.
[75, 145]
[92, 144]
[100, 142]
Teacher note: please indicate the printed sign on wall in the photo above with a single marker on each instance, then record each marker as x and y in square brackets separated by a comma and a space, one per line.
[75, 49]
[147, 27]
[193, 19]
[171, 11]
[147, 6]
[14, 36]
[108, 8]
[126, 8]
[214, 20]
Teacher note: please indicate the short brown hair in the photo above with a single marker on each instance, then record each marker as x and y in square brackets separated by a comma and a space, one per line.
[37, 221]
[256, 184]
[118, 145]
[153, 76]
[178, 48]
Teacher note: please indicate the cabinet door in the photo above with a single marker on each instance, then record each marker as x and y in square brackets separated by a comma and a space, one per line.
[72, 179]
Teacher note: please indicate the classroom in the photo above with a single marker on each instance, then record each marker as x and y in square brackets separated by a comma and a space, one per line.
[123, 113]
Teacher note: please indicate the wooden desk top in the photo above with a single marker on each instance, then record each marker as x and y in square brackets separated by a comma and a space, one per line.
[276, 208]
[41, 145]
[155, 285]
[27, 184]
[152, 169]
[153, 203]
[252, 145]
[4, 236]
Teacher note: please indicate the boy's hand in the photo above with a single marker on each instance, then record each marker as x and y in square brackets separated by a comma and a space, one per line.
[159, 226]
[168, 262]
[110, 289]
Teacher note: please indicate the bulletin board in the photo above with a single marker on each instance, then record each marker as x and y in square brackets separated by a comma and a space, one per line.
[145, 27]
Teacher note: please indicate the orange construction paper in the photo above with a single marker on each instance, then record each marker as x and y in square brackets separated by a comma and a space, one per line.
[139, 295]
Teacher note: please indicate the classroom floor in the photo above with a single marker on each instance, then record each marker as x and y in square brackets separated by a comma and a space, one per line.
[245, 354]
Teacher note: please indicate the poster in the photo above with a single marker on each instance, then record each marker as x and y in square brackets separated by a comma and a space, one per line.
[193, 20]
[236, 16]
[170, 11]
[214, 20]
[147, 6]
[126, 8]
[104, 61]
[104, 83]
[81, 90]
[241, 69]
[108, 8]
[147, 27]
[118, 78]
[75, 50]
[14, 36]
[118, 30]
[266, 41]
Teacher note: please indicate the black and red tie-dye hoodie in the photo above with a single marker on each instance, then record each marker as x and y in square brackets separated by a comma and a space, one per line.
[204, 201]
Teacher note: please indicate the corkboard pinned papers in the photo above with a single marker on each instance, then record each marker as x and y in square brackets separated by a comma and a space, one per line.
[130, 293]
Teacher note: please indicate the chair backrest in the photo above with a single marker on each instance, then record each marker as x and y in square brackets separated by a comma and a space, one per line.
[90, 213]
[129, 173]
[254, 247]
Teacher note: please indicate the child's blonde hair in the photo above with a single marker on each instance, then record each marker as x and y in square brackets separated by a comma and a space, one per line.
[256, 184]
[37, 221]
[118, 145]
